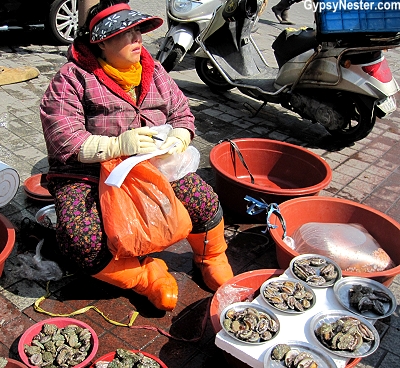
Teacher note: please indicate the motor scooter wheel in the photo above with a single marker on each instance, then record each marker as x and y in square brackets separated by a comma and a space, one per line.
[210, 75]
[173, 58]
[359, 118]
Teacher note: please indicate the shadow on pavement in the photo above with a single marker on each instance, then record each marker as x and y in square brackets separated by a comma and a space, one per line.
[26, 37]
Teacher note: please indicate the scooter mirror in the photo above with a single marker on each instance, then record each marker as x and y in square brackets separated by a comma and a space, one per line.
[250, 8]
[235, 10]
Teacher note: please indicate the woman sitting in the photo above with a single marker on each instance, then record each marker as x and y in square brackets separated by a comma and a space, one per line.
[103, 104]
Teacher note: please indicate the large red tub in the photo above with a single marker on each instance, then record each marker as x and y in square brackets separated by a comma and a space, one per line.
[281, 171]
[299, 211]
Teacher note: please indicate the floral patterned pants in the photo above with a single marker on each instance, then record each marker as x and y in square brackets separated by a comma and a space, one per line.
[80, 233]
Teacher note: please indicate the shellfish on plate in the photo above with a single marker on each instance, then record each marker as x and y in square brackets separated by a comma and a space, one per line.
[249, 323]
[344, 334]
[276, 354]
[288, 295]
[315, 270]
[128, 358]
[365, 297]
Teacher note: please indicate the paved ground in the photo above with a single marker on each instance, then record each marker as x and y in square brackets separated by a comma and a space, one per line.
[367, 172]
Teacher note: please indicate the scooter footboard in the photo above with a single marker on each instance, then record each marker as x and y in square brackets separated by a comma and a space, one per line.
[237, 59]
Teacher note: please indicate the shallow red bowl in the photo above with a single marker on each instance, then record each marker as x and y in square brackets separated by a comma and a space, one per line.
[60, 322]
[110, 356]
[36, 186]
[14, 364]
[39, 198]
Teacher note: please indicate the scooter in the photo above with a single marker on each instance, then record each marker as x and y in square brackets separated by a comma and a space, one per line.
[342, 85]
[186, 19]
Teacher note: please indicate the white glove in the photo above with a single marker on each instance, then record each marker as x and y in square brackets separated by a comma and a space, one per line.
[180, 137]
[99, 148]
[134, 141]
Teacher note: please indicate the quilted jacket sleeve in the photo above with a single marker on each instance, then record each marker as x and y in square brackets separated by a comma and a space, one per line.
[62, 115]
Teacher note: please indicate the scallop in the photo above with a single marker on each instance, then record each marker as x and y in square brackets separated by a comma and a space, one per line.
[290, 356]
[279, 351]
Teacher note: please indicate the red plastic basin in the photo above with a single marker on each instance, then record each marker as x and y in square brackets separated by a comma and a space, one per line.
[15, 364]
[110, 356]
[253, 281]
[7, 240]
[281, 171]
[299, 211]
[60, 322]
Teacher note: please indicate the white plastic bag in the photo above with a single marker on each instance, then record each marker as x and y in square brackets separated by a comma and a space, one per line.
[162, 133]
[232, 293]
[349, 245]
[34, 267]
[289, 242]
[176, 166]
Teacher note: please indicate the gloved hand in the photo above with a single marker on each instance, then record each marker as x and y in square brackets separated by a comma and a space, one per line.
[98, 148]
[135, 141]
[178, 136]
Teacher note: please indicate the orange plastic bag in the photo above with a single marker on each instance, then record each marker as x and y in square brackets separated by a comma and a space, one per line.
[144, 215]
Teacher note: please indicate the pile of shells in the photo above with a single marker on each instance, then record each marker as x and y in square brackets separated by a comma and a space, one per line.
[293, 358]
[346, 333]
[365, 298]
[3, 362]
[59, 347]
[288, 295]
[305, 269]
[250, 325]
[128, 359]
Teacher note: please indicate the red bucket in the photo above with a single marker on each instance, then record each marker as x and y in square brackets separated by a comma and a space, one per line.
[281, 171]
[299, 211]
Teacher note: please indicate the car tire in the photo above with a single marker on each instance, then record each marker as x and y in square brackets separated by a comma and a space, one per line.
[63, 20]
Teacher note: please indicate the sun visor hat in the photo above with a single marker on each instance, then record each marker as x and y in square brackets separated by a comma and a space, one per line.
[117, 19]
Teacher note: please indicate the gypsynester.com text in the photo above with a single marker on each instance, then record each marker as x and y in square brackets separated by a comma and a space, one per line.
[340, 5]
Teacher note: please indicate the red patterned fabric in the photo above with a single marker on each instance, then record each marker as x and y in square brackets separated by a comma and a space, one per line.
[80, 233]
[82, 100]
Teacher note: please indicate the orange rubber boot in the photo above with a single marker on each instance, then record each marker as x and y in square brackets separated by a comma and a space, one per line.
[209, 256]
[151, 279]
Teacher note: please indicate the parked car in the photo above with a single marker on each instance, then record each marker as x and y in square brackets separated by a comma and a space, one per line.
[60, 17]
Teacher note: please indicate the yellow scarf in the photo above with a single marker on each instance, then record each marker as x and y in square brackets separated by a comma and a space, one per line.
[126, 78]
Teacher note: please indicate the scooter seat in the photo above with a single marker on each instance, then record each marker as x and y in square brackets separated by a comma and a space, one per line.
[291, 43]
